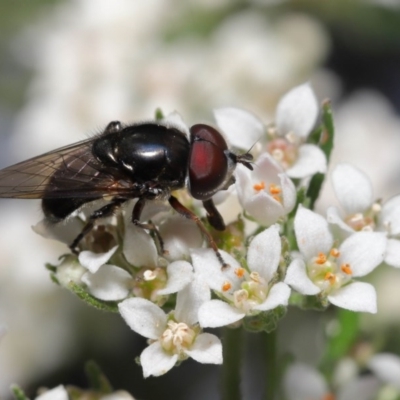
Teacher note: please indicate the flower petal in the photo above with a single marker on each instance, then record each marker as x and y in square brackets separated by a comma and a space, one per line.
[215, 313]
[266, 169]
[139, 248]
[64, 232]
[207, 349]
[278, 296]
[208, 268]
[390, 216]
[357, 296]
[264, 252]
[69, 271]
[289, 194]
[155, 361]
[190, 299]
[392, 256]
[263, 208]
[58, 393]
[297, 278]
[312, 233]
[143, 316]
[297, 111]
[241, 128]
[386, 367]
[179, 235]
[180, 273]
[118, 395]
[93, 261]
[352, 188]
[310, 160]
[334, 218]
[364, 251]
[175, 120]
[109, 283]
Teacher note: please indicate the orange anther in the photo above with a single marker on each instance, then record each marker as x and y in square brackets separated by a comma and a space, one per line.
[274, 189]
[259, 186]
[329, 276]
[335, 252]
[226, 286]
[321, 259]
[346, 269]
[239, 272]
[328, 396]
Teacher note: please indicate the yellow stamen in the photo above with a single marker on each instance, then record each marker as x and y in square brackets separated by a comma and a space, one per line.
[226, 286]
[239, 272]
[329, 276]
[274, 189]
[259, 186]
[335, 252]
[346, 269]
[321, 259]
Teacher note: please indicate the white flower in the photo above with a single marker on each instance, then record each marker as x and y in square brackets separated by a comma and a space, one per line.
[302, 382]
[245, 292]
[173, 337]
[329, 271]
[118, 395]
[157, 277]
[266, 193]
[354, 192]
[58, 393]
[386, 367]
[241, 128]
[296, 116]
[179, 235]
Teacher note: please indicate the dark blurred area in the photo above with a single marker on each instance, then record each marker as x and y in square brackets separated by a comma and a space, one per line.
[364, 52]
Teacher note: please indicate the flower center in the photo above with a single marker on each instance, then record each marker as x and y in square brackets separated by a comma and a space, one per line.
[365, 221]
[327, 272]
[253, 290]
[148, 281]
[283, 151]
[360, 222]
[274, 190]
[177, 337]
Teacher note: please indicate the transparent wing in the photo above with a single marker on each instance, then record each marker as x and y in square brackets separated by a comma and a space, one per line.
[68, 172]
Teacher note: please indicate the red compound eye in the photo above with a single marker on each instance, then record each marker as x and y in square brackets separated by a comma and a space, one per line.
[208, 163]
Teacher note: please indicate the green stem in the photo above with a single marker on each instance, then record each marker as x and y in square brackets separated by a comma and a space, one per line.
[271, 370]
[232, 341]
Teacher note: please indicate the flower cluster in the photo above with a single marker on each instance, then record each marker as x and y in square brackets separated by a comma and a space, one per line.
[278, 250]
[302, 382]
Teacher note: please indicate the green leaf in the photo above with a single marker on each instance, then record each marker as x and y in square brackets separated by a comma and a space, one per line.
[97, 380]
[111, 306]
[18, 393]
[328, 131]
[341, 339]
[326, 140]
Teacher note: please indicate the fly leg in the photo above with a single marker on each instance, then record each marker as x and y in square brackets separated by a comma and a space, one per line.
[181, 209]
[213, 216]
[136, 213]
[102, 212]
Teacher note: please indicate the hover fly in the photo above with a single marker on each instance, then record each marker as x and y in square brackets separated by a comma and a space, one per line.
[146, 161]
